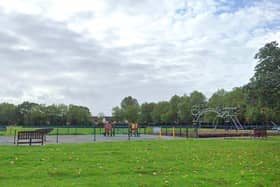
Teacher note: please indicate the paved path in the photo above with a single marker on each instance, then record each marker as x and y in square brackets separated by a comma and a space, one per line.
[9, 140]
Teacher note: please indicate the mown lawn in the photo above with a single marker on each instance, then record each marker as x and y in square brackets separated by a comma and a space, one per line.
[192, 162]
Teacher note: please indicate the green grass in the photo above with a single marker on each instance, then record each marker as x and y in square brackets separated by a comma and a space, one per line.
[190, 162]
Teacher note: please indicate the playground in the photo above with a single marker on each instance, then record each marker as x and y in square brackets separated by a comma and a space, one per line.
[74, 135]
[231, 127]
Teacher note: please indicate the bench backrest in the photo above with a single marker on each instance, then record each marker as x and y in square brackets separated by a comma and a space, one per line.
[24, 135]
[44, 131]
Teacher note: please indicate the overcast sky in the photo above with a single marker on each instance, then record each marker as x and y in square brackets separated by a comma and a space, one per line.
[96, 52]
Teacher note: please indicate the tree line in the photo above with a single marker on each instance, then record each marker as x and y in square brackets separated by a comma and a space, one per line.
[258, 101]
[33, 114]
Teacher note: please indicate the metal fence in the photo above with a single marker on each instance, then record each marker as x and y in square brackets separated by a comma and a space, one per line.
[71, 134]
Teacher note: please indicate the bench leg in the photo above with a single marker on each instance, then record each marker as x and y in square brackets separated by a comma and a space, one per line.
[30, 142]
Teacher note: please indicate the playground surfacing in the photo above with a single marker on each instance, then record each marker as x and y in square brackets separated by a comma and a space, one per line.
[76, 139]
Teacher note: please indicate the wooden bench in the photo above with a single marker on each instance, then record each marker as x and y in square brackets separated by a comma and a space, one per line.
[29, 137]
[44, 131]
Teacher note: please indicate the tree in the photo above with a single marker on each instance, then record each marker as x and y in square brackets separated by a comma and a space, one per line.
[130, 109]
[129, 101]
[78, 115]
[24, 113]
[218, 99]
[184, 110]
[117, 114]
[56, 114]
[37, 115]
[197, 98]
[173, 108]
[237, 98]
[146, 110]
[160, 113]
[267, 75]
[131, 113]
[7, 114]
[253, 115]
[62, 113]
[263, 90]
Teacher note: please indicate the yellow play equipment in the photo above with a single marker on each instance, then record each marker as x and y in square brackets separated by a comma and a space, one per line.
[134, 129]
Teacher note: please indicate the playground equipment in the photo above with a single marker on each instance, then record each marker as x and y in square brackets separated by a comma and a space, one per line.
[275, 126]
[108, 130]
[133, 130]
[227, 114]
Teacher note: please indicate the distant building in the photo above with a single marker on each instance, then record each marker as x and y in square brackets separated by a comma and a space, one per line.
[94, 119]
[105, 119]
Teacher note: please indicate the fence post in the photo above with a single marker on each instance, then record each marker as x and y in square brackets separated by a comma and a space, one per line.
[196, 132]
[15, 136]
[114, 131]
[94, 133]
[128, 130]
[180, 131]
[57, 135]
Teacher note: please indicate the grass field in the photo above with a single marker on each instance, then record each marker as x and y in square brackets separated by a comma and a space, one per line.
[192, 162]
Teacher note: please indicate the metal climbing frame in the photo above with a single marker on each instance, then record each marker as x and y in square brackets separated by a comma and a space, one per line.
[226, 113]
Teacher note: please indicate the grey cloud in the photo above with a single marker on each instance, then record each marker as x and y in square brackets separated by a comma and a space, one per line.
[83, 15]
[75, 68]
[144, 7]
